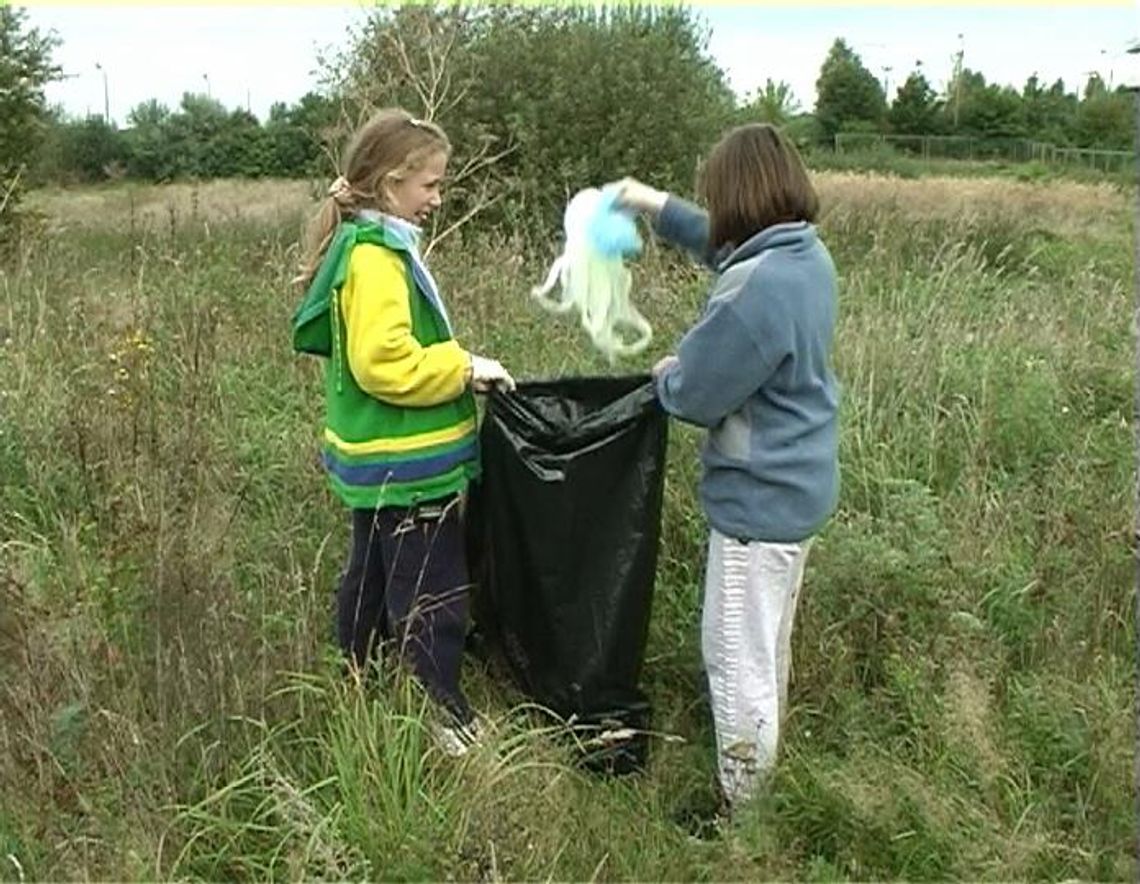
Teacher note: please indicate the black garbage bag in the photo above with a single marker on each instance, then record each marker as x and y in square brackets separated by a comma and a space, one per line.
[564, 530]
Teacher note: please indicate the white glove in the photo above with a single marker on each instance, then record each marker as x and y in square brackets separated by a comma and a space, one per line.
[632, 194]
[489, 373]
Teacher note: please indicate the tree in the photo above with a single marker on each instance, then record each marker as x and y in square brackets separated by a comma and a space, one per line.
[1105, 120]
[297, 135]
[152, 155]
[1094, 87]
[424, 59]
[25, 68]
[540, 101]
[193, 131]
[847, 93]
[915, 108]
[1049, 113]
[242, 149]
[90, 149]
[804, 131]
[989, 111]
[627, 90]
[774, 104]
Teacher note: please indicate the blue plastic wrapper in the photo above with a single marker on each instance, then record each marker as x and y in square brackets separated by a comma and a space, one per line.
[612, 232]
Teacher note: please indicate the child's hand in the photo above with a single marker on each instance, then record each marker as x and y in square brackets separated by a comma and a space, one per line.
[488, 374]
[664, 364]
[632, 194]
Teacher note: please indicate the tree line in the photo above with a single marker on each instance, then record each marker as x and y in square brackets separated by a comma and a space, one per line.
[537, 99]
[851, 99]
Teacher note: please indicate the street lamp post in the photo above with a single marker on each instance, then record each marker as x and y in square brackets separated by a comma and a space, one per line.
[1108, 59]
[206, 77]
[106, 94]
[958, 77]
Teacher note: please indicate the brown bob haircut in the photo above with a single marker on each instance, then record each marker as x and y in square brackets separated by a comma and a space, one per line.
[754, 178]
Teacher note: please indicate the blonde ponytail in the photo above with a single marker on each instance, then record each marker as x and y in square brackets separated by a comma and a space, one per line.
[342, 200]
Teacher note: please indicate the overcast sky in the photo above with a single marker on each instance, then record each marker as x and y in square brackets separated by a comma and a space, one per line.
[258, 54]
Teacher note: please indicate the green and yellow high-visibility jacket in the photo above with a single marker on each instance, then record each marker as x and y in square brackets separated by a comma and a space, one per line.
[400, 420]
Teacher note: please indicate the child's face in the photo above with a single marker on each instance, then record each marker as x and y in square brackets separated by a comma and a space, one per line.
[417, 195]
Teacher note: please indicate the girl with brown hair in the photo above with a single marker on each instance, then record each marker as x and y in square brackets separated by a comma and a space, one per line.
[756, 372]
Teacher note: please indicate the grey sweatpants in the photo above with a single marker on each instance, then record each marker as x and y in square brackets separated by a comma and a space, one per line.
[751, 590]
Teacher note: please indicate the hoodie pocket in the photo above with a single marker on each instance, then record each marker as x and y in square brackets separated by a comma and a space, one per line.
[732, 437]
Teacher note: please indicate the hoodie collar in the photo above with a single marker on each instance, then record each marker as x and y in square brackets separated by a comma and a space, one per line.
[407, 237]
[405, 232]
[790, 233]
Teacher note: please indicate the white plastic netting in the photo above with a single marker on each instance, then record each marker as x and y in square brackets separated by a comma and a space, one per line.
[593, 278]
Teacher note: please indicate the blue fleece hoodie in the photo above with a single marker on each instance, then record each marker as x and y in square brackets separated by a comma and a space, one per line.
[756, 371]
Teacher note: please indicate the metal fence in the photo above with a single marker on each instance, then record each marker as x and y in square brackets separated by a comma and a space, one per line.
[964, 147]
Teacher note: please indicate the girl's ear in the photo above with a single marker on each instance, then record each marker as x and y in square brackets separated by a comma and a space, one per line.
[384, 191]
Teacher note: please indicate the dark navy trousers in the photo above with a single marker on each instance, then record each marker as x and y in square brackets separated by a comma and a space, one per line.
[406, 587]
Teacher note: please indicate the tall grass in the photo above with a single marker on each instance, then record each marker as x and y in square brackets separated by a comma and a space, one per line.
[170, 706]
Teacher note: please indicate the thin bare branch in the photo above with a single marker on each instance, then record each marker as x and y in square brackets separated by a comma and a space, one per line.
[11, 189]
[481, 161]
[420, 51]
[440, 69]
[483, 203]
[460, 95]
[396, 40]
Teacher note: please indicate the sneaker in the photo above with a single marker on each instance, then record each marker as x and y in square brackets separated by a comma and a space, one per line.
[705, 819]
[456, 740]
